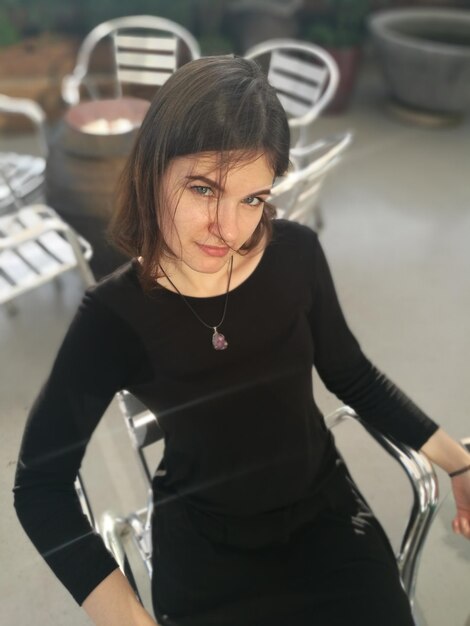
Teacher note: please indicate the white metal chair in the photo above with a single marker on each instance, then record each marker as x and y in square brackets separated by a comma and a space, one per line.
[296, 195]
[304, 75]
[22, 175]
[146, 51]
[425, 491]
[129, 537]
[36, 245]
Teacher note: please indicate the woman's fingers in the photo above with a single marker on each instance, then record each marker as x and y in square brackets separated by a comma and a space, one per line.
[465, 527]
[461, 526]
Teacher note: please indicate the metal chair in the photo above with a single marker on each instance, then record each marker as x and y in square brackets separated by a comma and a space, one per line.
[146, 51]
[129, 537]
[36, 245]
[22, 175]
[425, 489]
[296, 195]
[304, 75]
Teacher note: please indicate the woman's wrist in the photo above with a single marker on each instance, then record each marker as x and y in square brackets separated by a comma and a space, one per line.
[458, 472]
[446, 452]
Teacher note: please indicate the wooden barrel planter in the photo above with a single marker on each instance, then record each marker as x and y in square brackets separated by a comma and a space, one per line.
[86, 157]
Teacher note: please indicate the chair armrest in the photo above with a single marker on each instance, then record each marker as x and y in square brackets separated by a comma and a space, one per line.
[23, 106]
[70, 88]
[31, 110]
[116, 533]
[142, 424]
[425, 488]
[333, 145]
[111, 528]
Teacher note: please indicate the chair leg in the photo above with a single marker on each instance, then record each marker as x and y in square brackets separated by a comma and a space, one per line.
[82, 264]
[318, 219]
[58, 285]
[11, 309]
[86, 273]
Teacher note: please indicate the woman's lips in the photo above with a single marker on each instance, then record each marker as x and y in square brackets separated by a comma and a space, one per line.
[217, 251]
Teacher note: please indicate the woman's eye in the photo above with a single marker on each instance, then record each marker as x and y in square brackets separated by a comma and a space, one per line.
[202, 191]
[254, 201]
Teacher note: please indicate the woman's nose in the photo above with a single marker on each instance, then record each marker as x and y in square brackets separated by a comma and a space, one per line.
[224, 222]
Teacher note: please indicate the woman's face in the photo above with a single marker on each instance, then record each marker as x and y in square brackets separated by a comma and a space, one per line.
[207, 216]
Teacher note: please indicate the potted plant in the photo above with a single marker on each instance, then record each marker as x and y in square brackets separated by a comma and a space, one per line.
[34, 56]
[340, 28]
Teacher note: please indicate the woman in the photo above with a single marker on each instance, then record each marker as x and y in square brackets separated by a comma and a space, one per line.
[215, 325]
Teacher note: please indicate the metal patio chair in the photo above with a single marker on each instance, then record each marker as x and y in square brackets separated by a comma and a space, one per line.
[305, 77]
[22, 175]
[36, 245]
[146, 51]
[296, 195]
[129, 537]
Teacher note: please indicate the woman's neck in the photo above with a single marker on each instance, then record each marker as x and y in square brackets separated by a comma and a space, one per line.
[196, 284]
[180, 277]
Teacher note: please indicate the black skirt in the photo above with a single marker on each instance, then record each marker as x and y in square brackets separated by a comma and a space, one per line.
[324, 561]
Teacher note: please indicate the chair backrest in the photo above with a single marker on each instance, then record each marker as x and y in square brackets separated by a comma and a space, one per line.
[146, 52]
[304, 75]
[142, 426]
[22, 174]
[296, 194]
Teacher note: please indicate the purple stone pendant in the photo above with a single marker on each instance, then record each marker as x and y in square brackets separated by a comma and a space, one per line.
[218, 340]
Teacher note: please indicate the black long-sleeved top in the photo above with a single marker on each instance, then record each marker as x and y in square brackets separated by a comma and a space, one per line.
[242, 431]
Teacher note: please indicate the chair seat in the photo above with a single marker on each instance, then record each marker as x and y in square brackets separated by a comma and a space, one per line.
[34, 248]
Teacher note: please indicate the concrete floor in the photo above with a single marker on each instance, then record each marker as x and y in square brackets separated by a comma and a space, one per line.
[397, 235]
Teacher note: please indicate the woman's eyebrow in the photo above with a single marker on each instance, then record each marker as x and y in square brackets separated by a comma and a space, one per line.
[215, 184]
[204, 179]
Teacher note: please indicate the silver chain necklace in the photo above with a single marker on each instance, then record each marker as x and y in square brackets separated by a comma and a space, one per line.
[218, 340]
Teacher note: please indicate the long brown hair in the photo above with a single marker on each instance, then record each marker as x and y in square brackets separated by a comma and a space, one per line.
[214, 104]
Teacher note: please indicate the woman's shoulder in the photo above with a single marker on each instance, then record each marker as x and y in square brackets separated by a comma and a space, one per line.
[121, 283]
[293, 230]
[295, 236]
[116, 295]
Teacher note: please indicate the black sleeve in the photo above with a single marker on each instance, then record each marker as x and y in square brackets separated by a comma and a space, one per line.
[347, 372]
[91, 366]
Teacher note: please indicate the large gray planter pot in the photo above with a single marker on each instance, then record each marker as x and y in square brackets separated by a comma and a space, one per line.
[425, 57]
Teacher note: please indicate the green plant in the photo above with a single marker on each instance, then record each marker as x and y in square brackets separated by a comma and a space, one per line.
[215, 44]
[8, 33]
[341, 24]
[32, 17]
[180, 11]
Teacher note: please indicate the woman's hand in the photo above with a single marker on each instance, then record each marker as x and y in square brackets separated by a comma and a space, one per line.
[461, 489]
[451, 456]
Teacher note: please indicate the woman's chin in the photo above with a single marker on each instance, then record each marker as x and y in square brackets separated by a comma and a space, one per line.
[204, 264]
